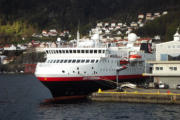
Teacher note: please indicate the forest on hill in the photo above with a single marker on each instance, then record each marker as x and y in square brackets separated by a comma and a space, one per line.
[21, 18]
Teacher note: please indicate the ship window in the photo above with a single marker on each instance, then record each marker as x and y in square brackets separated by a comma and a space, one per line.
[63, 71]
[74, 51]
[46, 51]
[63, 51]
[92, 61]
[87, 51]
[54, 61]
[99, 51]
[78, 61]
[95, 51]
[103, 51]
[87, 61]
[69, 61]
[48, 61]
[78, 51]
[91, 51]
[57, 61]
[70, 51]
[65, 61]
[97, 61]
[59, 51]
[82, 61]
[67, 51]
[61, 61]
[82, 51]
[73, 61]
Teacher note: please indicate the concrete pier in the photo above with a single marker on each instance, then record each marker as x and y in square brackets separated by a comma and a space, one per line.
[137, 97]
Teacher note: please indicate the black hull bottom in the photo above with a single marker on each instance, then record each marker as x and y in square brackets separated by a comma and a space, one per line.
[77, 88]
[81, 88]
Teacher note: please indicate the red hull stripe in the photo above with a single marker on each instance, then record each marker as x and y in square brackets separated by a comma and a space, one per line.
[88, 78]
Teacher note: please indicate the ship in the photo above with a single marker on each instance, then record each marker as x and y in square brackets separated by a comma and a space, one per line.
[92, 64]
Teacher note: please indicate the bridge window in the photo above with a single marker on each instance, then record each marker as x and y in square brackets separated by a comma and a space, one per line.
[78, 51]
[63, 51]
[65, 61]
[99, 51]
[69, 61]
[70, 51]
[67, 51]
[82, 51]
[59, 51]
[97, 61]
[57, 61]
[61, 61]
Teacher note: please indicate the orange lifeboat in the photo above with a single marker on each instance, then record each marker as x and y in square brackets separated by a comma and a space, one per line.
[135, 57]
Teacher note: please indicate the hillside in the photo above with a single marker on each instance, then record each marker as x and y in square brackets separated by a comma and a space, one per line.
[23, 17]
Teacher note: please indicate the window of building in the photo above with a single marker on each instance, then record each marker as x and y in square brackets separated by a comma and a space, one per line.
[161, 68]
[157, 68]
[173, 68]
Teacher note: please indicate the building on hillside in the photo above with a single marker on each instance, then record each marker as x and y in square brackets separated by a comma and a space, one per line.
[166, 68]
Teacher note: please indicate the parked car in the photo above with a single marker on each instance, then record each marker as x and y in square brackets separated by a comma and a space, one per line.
[178, 86]
[163, 86]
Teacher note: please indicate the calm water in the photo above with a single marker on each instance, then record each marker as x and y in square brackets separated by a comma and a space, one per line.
[21, 97]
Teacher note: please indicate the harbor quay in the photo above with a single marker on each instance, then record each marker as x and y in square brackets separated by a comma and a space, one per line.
[138, 95]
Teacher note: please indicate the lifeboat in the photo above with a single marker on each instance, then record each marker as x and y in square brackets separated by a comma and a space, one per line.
[135, 57]
[124, 62]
